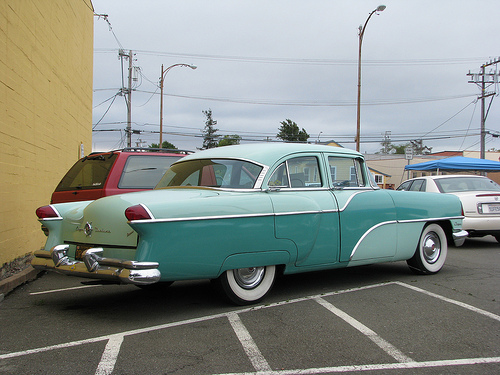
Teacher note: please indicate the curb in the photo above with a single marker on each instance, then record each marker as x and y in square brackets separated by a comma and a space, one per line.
[9, 284]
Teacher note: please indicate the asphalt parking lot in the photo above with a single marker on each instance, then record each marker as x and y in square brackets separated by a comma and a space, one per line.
[374, 319]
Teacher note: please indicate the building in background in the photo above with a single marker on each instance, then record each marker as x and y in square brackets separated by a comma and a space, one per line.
[46, 67]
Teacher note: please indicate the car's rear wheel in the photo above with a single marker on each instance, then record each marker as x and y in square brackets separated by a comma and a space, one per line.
[431, 251]
[245, 286]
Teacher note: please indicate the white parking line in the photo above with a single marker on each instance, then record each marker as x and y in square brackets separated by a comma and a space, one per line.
[258, 361]
[446, 299]
[64, 290]
[112, 349]
[110, 355]
[376, 367]
[379, 341]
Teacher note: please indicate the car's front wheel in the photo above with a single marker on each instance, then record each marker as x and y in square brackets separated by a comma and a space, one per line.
[245, 286]
[431, 251]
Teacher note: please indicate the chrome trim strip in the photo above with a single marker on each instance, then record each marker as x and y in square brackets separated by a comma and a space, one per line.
[174, 219]
[431, 219]
[351, 198]
[366, 234]
[147, 210]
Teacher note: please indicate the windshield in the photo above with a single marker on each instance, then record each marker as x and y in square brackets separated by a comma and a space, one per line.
[88, 173]
[222, 173]
[458, 184]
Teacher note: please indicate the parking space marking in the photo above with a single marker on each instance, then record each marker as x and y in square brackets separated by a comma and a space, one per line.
[110, 355]
[379, 341]
[64, 289]
[375, 367]
[455, 302]
[251, 349]
[114, 341]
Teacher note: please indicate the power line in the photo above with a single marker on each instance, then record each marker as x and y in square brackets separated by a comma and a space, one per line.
[303, 103]
[285, 60]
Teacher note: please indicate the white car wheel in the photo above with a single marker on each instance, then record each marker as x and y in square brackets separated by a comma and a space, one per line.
[431, 251]
[245, 286]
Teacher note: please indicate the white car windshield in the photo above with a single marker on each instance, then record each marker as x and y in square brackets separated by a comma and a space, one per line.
[221, 173]
[458, 184]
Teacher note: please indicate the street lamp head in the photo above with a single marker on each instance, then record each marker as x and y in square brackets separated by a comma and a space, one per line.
[192, 66]
[380, 8]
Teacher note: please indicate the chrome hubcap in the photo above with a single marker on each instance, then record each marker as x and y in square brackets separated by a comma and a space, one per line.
[431, 247]
[249, 278]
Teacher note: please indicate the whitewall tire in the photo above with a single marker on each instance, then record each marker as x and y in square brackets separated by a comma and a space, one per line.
[245, 286]
[431, 251]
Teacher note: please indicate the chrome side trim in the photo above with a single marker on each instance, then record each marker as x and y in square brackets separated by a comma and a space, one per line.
[96, 267]
[368, 232]
[431, 219]
[147, 210]
[59, 217]
[351, 198]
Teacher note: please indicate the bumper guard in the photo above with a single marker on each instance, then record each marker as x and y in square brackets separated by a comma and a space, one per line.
[94, 266]
[459, 237]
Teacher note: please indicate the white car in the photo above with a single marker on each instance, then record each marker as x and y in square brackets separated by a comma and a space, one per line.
[479, 195]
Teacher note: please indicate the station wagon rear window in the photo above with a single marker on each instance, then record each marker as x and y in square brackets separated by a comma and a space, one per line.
[88, 173]
[222, 173]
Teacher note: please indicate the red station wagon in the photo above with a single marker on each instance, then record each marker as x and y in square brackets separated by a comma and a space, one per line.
[115, 172]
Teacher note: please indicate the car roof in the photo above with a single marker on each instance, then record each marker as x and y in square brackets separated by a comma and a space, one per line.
[144, 151]
[266, 153]
[446, 176]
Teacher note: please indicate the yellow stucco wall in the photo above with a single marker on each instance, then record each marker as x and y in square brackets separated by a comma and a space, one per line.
[46, 57]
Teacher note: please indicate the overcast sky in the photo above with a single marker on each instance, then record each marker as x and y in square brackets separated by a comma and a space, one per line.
[260, 62]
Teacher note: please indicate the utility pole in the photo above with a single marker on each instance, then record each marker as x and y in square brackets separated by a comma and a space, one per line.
[127, 92]
[485, 80]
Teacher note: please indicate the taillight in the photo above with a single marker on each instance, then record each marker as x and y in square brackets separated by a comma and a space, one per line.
[46, 212]
[137, 212]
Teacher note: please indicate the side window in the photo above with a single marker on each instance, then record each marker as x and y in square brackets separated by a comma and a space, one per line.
[144, 172]
[405, 185]
[298, 172]
[306, 172]
[348, 172]
[418, 185]
[279, 177]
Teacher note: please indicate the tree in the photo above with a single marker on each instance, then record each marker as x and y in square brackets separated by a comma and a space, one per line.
[165, 144]
[289, 132]
[210, 136]
[418, 147]
[229, 140]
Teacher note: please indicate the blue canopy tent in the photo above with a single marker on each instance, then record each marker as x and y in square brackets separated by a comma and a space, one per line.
[456, 163]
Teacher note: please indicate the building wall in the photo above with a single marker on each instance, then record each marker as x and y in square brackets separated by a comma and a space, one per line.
[394, 165]
[46, 64]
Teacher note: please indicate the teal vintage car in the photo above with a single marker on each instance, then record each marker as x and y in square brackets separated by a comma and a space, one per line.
[243, 214]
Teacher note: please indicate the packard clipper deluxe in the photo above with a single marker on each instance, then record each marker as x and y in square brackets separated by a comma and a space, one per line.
[243, 214]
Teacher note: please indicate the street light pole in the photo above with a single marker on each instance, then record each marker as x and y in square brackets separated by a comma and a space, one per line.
[162, 78]
[361, 29]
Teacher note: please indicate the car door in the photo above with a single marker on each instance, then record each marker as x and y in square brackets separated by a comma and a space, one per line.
[368, 223]
[305, 210]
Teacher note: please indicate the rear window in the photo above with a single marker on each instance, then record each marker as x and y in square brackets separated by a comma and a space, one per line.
[458, 184]
[88, 173]
[144, 172]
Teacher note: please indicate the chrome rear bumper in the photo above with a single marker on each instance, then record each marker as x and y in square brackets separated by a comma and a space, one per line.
[96, 267]
[459, 237]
